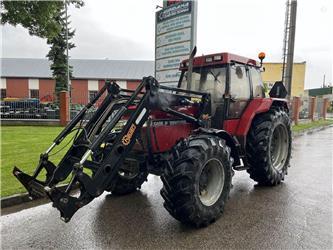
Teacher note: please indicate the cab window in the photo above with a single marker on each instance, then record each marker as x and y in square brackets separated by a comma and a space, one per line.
[239, 82]
[210, 80]
[257, 85]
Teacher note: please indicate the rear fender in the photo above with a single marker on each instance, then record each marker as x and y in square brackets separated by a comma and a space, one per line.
[278, 102]
[256, 106]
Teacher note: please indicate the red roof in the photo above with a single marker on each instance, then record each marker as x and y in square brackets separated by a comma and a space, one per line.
[200, 61]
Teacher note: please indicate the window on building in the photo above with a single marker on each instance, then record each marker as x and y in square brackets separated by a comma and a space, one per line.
[92, 94]
[34, 93]
[3, 93]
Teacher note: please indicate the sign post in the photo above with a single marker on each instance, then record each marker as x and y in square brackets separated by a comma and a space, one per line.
[175, 37]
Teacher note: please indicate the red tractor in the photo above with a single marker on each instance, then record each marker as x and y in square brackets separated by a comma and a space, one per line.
[194, 136]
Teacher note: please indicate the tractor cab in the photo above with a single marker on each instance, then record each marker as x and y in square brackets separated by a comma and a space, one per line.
[231, 80]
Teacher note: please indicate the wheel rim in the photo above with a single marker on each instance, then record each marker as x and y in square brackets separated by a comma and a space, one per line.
[211, 182]
[129, 170]
[279, 147]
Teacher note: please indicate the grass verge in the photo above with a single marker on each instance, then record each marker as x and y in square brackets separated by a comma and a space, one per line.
[309, 125]
[21, 147]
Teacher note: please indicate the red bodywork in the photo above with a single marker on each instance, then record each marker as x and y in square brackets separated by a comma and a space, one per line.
[167, 133]
[226, 58]
[166, 129]
[240, 127]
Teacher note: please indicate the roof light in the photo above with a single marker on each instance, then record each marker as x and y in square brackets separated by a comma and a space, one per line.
[218, 58]
[261, 56]
[209, 59]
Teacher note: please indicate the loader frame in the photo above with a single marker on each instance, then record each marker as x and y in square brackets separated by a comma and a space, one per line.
[118, 103]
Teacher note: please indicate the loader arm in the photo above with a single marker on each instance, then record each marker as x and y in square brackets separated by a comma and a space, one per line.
[94, 134]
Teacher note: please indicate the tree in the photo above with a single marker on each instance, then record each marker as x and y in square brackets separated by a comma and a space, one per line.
[36, 16]
[46, 19]
[57, 54]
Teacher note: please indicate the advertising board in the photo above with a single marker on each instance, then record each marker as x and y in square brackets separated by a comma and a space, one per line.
[175, 37]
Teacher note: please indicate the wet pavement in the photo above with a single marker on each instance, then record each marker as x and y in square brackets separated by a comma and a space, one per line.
[296, 214]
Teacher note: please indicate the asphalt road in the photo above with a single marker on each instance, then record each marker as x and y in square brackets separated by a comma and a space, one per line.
[296, 214]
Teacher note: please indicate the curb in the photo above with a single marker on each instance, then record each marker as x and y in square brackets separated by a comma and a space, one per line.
[18, 199]
[310, 131]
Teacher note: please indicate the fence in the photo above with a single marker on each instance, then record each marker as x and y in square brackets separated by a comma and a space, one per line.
[24, 109]
[28, 109]
[309, 108]
[305, 108]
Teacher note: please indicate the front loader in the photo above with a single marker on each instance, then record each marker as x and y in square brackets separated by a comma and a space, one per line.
[193, 136]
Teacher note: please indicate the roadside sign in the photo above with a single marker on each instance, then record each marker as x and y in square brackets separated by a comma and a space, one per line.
[175, 37]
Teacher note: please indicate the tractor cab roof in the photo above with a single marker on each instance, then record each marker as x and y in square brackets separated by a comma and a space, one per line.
[217, 59]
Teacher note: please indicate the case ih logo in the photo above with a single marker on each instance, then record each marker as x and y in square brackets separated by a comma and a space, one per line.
[171, 2]
[174, 10]
[127, 138]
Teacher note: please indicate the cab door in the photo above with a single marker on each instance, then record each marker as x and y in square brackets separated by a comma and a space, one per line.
[239, 91]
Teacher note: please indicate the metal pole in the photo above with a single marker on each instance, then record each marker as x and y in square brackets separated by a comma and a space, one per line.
[285, 40]
[67, 57]
[291, 45]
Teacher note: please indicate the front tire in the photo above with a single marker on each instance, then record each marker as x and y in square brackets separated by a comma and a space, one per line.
[197, 186]
[130, 177]
[269, 147]
[128, 180]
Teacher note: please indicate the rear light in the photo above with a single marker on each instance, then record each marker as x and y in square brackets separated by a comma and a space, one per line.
[209, 59]
[218, 58]
[187, 64]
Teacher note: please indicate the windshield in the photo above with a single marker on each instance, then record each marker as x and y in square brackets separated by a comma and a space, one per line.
[212, 80]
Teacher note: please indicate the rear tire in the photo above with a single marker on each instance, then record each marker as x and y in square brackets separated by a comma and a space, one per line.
[197, 186]
[269, 147]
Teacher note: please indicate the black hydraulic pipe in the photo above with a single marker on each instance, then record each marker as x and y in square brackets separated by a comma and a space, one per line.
[184, 116]
[137, 92]
[78, 117]
[99, 140]
[182, 90]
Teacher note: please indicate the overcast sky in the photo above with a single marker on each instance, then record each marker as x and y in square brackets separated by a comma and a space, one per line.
[125, 30]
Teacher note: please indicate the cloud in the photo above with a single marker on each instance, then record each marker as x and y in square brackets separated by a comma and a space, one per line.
[125, 30]
[16, 42]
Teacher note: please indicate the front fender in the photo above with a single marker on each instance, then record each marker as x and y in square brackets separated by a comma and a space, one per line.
[231, 142]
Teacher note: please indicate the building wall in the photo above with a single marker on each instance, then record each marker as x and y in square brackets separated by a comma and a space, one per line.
[273, 73]
[20, 88]
[132, 85]
[17, 87]
[79, 91]
[46, 90]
